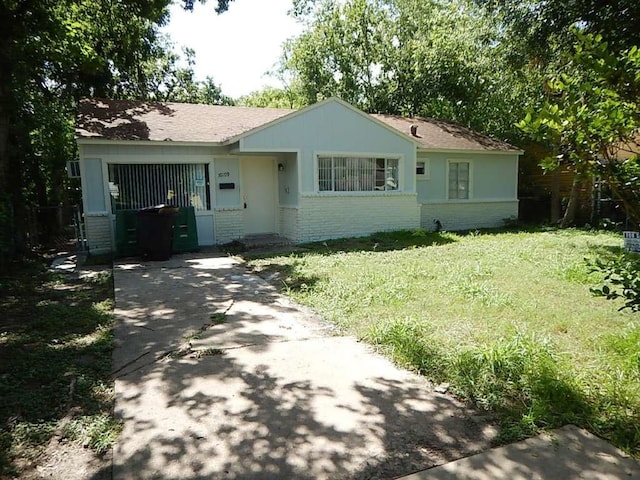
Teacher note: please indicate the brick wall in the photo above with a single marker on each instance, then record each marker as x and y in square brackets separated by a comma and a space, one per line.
[321, 217]
[289, 222]
[228, 225]
[467, 215]
[98, 232]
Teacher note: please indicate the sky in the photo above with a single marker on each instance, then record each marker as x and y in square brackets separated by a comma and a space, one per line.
[237, 47]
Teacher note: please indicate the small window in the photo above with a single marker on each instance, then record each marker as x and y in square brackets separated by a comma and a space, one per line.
[459, 180]
[421, 168]
[73, 169]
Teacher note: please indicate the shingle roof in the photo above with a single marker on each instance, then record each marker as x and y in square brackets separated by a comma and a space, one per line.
[184, 122]
[441, 134]
[179, 122]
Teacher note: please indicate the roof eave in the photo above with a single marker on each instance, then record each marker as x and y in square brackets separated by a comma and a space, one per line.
[108, 141]
[469, 150]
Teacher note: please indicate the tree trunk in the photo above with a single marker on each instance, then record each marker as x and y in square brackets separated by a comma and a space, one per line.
[6, 211]
[574, 199]
[555, 196]
[21, 217]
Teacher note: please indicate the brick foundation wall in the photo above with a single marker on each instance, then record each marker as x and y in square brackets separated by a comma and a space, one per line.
[289, 222]
[322, 217]
[467, 215]
[98, 232]
[228, 225]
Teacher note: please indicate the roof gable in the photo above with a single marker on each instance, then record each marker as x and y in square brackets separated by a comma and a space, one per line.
[321, 105]
[328, 126]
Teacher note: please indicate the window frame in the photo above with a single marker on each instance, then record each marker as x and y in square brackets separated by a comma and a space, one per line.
[469, 162]
[426, 174]
[345, 155]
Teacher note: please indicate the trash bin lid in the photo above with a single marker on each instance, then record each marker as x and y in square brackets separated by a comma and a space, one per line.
[161, 209]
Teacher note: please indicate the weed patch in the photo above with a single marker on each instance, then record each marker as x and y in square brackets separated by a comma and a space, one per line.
[506, 318]
[408, 343]
[98, 432]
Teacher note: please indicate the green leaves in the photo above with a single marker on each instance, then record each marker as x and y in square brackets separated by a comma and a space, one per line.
[166, 78]
[622, 277]
[591, 113]
[438, 59]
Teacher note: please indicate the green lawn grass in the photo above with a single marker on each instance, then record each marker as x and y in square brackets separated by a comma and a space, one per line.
[55, 359]
[506, 318]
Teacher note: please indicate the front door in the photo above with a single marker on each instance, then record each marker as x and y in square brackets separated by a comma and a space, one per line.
[259, 194]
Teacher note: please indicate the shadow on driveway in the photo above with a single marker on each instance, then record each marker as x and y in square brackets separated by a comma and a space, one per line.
[219, 376]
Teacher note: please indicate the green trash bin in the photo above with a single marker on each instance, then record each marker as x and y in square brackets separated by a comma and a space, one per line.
[155, 231]
[185, 232]
[126, 233]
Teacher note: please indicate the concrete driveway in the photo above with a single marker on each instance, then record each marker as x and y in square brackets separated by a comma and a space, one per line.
[219, 376]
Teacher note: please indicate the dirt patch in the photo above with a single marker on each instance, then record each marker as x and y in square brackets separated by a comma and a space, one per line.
[69, 461]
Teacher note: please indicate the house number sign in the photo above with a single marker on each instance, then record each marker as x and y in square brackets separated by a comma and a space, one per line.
[224, 174]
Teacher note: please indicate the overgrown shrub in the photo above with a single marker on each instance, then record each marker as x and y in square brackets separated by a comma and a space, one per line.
[622, 280]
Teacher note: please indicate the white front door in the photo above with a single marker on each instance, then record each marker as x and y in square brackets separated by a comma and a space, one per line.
[259, 194]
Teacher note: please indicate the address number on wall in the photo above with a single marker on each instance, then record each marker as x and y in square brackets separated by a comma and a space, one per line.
[224, 174]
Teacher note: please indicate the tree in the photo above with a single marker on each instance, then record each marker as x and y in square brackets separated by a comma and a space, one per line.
[622, 280]
[539, 36]
[591, 117]
[168, 77]
[52, 52]
[538, 29]
[441, 59]
[340, 53]
[272, 97]
[222, 6]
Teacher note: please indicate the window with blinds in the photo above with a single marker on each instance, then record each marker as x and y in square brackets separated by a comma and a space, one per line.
[357, 174]
[135, 186]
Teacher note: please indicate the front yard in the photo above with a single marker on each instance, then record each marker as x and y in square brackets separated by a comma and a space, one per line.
[56, 394]
[507, 319]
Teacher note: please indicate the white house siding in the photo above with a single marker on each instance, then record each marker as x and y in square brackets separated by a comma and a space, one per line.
[333, 128]
[322, 217]
[93, 182]
[467, 215]
[98, 232]
[493, 176]
[226, 170]
[138, 152]
[493, 191]
[288, 179]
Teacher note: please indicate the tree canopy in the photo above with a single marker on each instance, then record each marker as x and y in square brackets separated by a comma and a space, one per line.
[592, 118]
[441, 59]
[538, 29]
